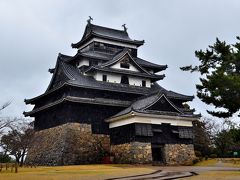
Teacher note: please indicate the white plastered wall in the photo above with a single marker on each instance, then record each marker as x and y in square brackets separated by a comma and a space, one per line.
[116, 78]
[131, 67]
[150, 120]
[110, 77]
[137, 81]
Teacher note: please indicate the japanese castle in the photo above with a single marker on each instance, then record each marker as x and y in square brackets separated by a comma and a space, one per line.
[105, 101]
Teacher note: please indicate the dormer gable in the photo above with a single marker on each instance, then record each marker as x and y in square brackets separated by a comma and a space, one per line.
[162, 104]
[125, 61]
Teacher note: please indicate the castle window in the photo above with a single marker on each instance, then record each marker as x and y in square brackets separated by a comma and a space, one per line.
[104, 77]
[186, 133]
[124, 80]
[143, 83]
[143, 130]
[125, 63]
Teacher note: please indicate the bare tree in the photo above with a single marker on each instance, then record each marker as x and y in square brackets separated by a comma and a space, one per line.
[5, 122]
[6, 104]
[17, 141]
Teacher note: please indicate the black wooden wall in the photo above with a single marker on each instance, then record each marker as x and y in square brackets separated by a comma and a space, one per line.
[155, 134]
[76, 112]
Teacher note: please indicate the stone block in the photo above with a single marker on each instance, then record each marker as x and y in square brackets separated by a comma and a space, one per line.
[133, 153]
[179, 154]
[71, 143]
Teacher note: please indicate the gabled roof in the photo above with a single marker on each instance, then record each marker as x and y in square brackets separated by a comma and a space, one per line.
[144, 103]
[119, 56]
[108, 57]
[106, 67]
[143, 106]
[92, 30]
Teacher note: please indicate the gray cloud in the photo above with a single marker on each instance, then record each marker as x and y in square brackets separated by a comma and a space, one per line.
[33, 32]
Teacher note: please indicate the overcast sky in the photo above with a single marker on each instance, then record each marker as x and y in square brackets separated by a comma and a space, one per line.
[33, 32]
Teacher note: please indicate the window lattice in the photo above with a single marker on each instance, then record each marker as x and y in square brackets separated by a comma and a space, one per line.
[144, 130]
[186, 133]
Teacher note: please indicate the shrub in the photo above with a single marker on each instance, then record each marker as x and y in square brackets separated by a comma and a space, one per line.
[4, 158]
[198, 153]
[195, 161]
[213, 156]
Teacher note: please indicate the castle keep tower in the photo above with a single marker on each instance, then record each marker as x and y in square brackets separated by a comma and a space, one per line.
[106, 100]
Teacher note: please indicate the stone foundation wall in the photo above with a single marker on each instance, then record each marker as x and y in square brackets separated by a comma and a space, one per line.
[71, 143]
[179, 154]
[133, 153]
[74, 143]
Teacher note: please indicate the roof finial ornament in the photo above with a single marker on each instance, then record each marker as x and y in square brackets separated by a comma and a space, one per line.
[125, 28]
[89, 20]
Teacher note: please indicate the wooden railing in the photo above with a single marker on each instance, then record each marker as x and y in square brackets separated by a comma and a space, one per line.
[9, 167]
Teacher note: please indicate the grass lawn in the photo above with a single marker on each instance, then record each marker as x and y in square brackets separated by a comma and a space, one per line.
[216, 175]
[80, 172]
[226, 162]
[209, 162]
[100, 172]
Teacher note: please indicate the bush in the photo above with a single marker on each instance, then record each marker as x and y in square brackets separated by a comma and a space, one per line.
[4, 158]
[198, 153]
[213, 156]
[195, 161]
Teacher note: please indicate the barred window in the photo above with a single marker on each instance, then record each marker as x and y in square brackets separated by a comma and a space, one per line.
[143, 130]
[104, 77]
[185, 132]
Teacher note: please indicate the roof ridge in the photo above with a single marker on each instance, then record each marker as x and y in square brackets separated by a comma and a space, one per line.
[98, 26]
[92, 30]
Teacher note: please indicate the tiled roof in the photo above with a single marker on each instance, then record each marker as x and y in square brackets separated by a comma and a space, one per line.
[109, 57]
[97, 55]
[144, 102]
[107, 33]
[150, 65]
[76, 78]
[102, 101]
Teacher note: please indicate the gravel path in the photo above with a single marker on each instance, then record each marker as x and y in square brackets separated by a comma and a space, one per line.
[176, 172]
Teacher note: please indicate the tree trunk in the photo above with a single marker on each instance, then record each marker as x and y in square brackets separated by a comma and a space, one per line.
[17, 159]
[22, 158]
[17, 156]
